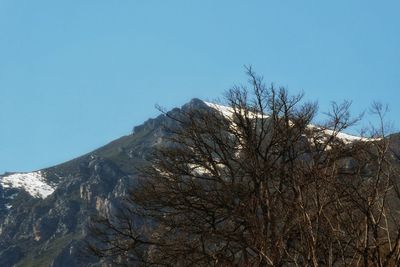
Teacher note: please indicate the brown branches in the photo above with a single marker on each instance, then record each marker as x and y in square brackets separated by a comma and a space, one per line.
[255, 184]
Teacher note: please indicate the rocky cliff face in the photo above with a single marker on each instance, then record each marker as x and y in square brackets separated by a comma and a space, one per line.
[43, 214]
[47, 231]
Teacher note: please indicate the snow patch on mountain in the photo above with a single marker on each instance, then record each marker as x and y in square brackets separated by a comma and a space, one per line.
[32, 182]
[224, 110]
[228, 112]
[346, 138]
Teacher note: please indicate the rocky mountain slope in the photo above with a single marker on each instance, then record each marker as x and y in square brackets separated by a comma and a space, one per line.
[43, 214]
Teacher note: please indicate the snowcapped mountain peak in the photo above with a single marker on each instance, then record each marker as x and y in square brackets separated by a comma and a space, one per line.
[33, 183]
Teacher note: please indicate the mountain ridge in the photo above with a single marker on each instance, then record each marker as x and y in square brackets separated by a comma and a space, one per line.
[50, 231]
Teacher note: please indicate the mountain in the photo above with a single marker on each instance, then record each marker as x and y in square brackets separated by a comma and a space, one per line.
[44, 214]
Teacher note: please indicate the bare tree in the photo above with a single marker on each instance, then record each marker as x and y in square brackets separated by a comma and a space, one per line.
[257, 184]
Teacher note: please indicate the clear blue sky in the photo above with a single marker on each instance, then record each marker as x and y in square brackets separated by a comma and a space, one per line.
[75, 75]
